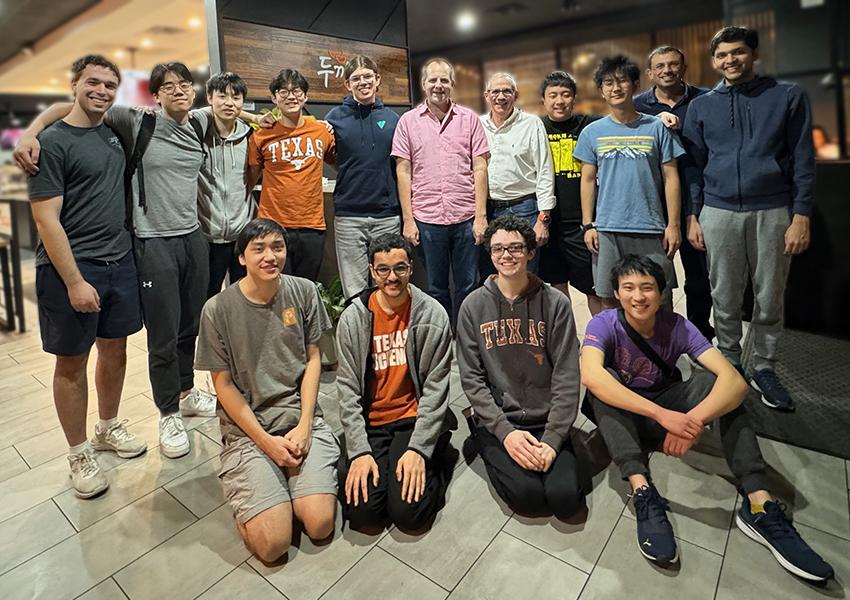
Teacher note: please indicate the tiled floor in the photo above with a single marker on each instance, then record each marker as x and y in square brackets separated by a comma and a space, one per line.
[163, 532]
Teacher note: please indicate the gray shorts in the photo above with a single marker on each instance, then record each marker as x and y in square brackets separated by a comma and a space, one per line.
[252, 482]
[613, 246]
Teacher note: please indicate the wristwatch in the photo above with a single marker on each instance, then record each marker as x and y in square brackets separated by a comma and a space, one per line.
[587, 227]
[544, 218]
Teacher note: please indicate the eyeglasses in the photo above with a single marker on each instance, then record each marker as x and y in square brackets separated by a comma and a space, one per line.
[506, 92]
[513, 249]
[367, 78]
[297, 93]
[400, 270]
[609, 82]
[171, 87]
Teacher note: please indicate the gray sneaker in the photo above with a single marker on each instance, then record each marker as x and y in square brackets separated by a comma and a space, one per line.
[86, 476]
[117, 439]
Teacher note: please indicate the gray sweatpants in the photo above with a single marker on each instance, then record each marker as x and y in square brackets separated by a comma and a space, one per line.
[353, 235]
[744, 245]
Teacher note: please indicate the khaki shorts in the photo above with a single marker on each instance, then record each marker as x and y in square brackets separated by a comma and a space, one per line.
[253, 483]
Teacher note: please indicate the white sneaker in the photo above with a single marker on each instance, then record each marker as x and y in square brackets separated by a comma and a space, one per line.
[198, 403]
[86, 476]
[117, 439]
[173, 441]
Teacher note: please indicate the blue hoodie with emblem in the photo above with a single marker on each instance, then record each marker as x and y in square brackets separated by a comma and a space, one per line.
[752, 149]
[366, 179]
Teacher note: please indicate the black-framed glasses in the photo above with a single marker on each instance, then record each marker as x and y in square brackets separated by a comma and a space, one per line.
[513, 249]
[171, 87]
[297, 93]
[400, 270]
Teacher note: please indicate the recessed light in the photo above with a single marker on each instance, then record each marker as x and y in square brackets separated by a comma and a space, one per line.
[119, 54]
[195, 22]
[146, 43]
[466, 20]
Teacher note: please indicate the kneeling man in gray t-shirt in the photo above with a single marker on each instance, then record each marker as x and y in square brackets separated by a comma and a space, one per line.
[259, 339]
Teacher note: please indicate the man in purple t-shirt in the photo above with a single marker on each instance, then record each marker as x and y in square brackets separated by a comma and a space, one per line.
[640, 401]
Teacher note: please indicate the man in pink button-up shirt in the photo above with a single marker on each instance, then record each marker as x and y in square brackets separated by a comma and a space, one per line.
[441, 160]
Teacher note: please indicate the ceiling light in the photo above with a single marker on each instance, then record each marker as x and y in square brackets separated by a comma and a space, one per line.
[119, 54]
[146, 43]
[465, 21]
[53, 81]
[194, 22]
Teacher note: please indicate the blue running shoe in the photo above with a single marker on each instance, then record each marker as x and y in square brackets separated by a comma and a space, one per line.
[773, 393]
[654, 532]
[773, 529]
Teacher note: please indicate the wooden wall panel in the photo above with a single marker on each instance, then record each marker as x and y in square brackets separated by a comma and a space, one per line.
[258, 52]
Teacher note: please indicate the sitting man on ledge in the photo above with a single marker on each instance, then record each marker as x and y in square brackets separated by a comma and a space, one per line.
[639, 400]
[395, 353]
[259, 339]
[518, 357]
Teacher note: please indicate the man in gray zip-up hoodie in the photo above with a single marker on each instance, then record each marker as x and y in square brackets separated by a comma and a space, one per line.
[394, 347]
[225, 206]
[518, 355]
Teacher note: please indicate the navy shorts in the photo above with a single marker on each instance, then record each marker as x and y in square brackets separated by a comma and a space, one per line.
[66, 332]
[566, 259]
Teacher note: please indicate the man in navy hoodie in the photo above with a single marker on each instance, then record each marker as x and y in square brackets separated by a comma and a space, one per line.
[751, 190]
[366, 194]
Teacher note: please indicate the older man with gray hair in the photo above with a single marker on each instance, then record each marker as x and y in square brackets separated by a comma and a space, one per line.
[520, 174]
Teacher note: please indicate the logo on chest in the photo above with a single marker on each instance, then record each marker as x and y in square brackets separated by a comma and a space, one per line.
[289, 316]
[296, 150]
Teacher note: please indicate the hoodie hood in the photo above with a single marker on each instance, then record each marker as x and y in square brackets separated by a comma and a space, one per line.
[224, 205]
[366, 179]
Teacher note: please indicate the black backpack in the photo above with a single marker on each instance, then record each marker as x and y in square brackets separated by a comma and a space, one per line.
[134, 161]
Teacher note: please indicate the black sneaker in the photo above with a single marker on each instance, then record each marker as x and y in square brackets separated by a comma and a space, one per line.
[773, 393]
[773, 529]
[654, 532]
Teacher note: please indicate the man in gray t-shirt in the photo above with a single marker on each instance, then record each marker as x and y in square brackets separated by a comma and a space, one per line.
[259, 339]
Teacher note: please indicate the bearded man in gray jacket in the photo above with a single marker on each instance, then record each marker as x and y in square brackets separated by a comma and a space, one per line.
[394, 347]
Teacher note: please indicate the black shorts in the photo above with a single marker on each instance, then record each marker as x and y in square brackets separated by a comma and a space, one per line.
[566, 259]
[66, 332]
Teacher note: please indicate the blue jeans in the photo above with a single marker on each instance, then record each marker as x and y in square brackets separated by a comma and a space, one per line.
[444, 246]
[527, 209]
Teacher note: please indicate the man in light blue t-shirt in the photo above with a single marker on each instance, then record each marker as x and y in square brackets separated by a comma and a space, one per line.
[633, 157]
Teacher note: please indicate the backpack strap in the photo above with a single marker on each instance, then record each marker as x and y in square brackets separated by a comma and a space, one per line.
[201, 133]
[134, 162]
[643, 346]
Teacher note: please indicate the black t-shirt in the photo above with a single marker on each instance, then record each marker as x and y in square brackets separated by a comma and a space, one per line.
[84, 165]
[562, 141]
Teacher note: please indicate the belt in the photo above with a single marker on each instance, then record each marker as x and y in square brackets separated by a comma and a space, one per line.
[507, 203]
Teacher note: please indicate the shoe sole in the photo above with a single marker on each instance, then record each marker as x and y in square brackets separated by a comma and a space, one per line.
[672, 561]
[87, 495]
[751, 533]
[768, 403]
[174, 452]
[121, 453]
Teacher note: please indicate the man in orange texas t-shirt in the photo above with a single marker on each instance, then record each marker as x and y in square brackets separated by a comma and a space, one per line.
[289, 154]
[394, 347]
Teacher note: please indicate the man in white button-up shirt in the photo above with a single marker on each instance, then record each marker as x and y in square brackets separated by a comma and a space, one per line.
[520, 172]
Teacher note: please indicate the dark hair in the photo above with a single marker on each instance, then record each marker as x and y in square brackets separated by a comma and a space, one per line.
[734, 34]
[286, 78]
[258, 228]
[358, 62]
[558, 79]
[162, 69]
[511, 223]
[632, 264]
[664, 50]
[93, 59]
[221, 81]
[387, 242]
[612, 65]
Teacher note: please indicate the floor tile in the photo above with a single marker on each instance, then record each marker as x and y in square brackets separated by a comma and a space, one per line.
[216, 548]
[133, 479]
[30, 533]
[11, 463]
[23, 491]
[310, 570]
[82, 561]
[107, 590]
[750, 571]
[622, 569]
[510, 568]
[813, 485]
[199, 489]
[242, 583]
[380, 575]
[581, 543]
[701, 503]
[444, 554]
[211, 429]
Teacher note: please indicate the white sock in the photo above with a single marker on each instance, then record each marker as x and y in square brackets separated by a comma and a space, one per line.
[79, 448]
[105, 424]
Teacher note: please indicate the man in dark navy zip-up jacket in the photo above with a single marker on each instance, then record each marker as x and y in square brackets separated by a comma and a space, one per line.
[751, 192]
[366, 193]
